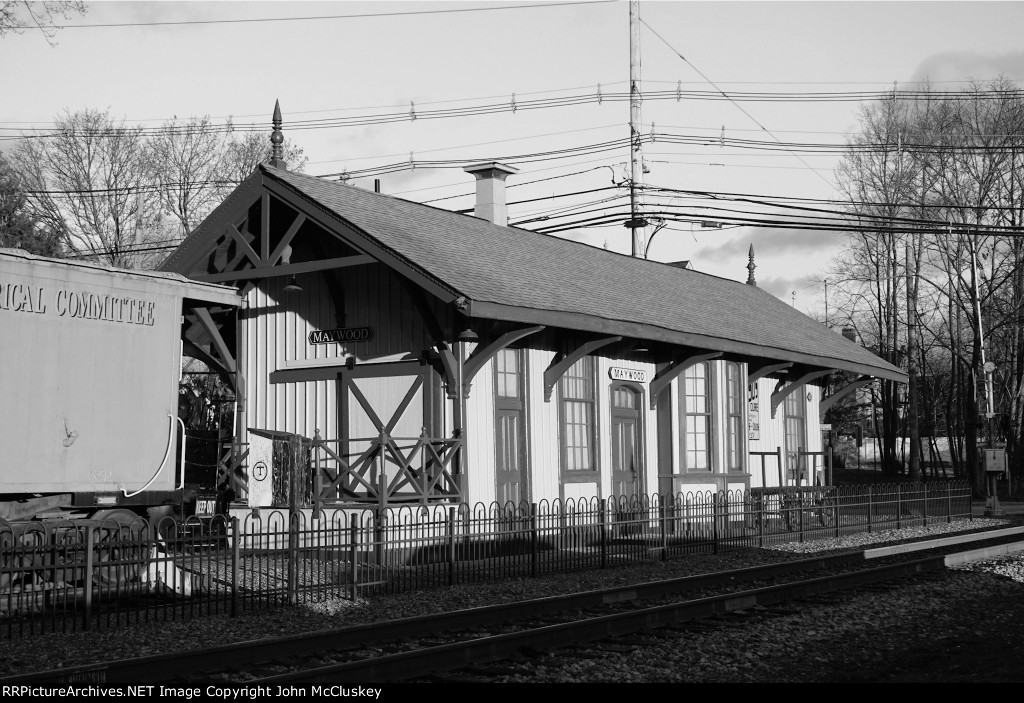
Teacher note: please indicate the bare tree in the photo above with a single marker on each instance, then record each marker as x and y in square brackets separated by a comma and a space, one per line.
[246, 150]
[87, 181]
[17, 16]
[18, 229]
[918, 164]
[186, 161]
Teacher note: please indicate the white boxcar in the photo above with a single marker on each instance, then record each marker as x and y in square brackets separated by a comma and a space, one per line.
[90, 360]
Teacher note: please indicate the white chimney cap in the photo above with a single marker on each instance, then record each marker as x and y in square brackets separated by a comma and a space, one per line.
[480, 170]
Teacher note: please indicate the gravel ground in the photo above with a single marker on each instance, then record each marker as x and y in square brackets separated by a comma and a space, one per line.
[871, 638]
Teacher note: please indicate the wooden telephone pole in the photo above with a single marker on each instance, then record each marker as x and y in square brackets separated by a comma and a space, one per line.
[636, 223]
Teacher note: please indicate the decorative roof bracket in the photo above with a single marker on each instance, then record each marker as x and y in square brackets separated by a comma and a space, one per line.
[660, 382]
[484, 354]
[780, 395]
[558, 369]
[828, 402]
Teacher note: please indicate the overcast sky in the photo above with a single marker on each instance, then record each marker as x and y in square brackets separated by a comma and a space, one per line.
[382, 58]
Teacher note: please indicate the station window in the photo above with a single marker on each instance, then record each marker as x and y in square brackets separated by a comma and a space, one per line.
[577, 390]
[796, 433]
[696, 418]
[733, 418]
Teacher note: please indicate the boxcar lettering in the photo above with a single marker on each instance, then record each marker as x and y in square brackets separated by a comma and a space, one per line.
[18, 297]
[92, 306]
[101, 476]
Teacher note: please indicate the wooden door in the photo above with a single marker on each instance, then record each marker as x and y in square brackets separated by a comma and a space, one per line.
[627, 443]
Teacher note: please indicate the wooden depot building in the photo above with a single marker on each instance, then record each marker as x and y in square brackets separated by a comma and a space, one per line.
[435, 356]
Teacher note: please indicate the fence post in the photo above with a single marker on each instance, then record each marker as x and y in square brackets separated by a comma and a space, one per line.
[949, 502]
[871, 508]
[451, 545]
[714, 522]
[534, 540]
[760, 516]
[90, 545]
[353, 555]
[663, 526]
[924, 487]
[899, 506]
[603, 523]
[293, 558]
[235, 563]
[800, 510]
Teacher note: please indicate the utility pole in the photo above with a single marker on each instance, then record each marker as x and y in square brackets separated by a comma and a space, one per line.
[637, 224]
[912, 424]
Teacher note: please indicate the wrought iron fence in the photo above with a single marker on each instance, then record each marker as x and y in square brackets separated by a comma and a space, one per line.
[87, 574]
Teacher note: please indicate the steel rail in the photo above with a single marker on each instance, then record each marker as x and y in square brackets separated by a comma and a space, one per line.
[432, 660]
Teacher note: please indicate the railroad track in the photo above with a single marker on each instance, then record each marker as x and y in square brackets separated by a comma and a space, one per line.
[411, 648]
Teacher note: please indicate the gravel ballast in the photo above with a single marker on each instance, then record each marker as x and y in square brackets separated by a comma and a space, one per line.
[866, 638]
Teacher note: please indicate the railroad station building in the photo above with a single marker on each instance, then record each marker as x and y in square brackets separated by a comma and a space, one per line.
[436, 356]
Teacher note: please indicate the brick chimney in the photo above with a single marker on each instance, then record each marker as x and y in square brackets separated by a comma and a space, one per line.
[490, 191]
[850, 333]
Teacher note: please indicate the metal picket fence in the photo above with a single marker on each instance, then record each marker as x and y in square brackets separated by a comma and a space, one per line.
[85, 575]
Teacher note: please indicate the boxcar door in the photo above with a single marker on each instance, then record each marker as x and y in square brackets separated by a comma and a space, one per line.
[509, 434]
[627, 469]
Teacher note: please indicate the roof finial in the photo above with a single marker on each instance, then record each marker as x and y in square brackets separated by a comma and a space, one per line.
[277, 139]
[750, 267]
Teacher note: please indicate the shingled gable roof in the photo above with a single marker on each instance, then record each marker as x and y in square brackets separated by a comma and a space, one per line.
[512, 274]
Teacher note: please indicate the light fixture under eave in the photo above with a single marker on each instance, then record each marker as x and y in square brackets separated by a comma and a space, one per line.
[292, 286]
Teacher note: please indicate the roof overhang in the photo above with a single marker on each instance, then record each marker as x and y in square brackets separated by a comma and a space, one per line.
[590, 323]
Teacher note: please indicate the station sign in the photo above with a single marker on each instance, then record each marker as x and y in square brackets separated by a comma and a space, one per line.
[342, 335]
[618, 373]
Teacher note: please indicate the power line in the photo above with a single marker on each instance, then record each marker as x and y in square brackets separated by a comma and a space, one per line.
[365, 15]
[512, 104]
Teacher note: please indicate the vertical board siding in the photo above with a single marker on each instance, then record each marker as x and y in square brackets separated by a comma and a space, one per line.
[543, 447]
[481, 437]
[277, 329]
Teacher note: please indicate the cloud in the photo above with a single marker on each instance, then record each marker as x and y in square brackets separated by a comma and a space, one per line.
[769, 242]
[807, 288]
[965, 65]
